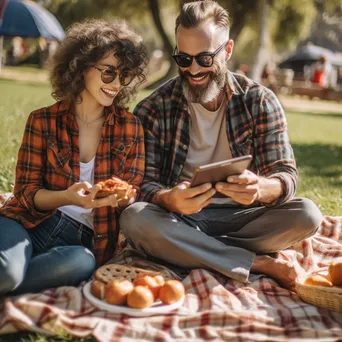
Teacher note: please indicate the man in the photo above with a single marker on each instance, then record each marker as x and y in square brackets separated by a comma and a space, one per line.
[208, 114]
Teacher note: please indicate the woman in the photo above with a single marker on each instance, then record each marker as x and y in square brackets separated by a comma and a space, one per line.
[53, 229]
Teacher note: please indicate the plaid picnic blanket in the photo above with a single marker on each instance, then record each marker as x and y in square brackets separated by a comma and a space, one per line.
[215, 307]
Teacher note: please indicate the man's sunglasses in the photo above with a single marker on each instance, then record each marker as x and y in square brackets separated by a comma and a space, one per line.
[204, 59]
[109, 75]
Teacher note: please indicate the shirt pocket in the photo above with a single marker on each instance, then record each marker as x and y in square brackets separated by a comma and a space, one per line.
[119, 152]
[244, 144]
[58, 160]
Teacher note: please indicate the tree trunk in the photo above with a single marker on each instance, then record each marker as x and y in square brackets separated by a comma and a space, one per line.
[237, 27]
[262, 53]
[172, 71]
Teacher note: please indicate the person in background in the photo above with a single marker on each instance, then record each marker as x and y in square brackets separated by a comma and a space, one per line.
[53, 230]
[268, 78]
[321, 72]
[205, 115]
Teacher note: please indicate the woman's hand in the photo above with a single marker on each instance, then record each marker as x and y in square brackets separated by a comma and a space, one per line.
[83, 195]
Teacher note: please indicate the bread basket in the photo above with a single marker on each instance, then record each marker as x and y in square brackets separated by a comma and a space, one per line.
[325, 297]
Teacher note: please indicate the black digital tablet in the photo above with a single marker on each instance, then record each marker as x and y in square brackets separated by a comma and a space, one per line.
[219, 171]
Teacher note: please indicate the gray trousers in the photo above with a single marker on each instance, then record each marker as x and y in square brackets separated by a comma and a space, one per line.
[225, 239]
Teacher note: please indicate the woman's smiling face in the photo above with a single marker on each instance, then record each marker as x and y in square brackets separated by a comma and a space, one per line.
[95, 88]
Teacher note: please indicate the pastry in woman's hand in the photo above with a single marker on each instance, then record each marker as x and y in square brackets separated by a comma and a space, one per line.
[112, 186]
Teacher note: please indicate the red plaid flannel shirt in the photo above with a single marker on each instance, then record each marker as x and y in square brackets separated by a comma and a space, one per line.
[48, 158]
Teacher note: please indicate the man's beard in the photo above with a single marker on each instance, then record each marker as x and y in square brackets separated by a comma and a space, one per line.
[207, 92]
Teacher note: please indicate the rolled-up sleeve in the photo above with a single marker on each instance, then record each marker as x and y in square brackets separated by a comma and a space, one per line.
[31, 165]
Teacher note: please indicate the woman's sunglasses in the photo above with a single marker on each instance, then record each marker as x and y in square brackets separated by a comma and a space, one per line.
[109, 75]
[204, 59]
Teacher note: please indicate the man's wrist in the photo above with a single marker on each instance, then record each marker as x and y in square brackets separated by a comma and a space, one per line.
[160, 199]
[270, 189]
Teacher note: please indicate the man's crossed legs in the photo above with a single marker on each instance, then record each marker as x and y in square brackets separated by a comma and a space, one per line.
[232, 240]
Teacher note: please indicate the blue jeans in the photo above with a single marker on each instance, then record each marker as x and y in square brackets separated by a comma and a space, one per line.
[55, 253]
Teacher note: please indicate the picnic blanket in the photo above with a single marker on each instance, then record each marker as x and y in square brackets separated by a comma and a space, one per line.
[215, 307]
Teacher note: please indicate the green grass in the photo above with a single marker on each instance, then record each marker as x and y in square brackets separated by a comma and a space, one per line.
[315, 139]
[27, 68]
[317, 144]
[34, 337]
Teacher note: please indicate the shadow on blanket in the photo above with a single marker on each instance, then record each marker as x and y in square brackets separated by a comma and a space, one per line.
[215, 307]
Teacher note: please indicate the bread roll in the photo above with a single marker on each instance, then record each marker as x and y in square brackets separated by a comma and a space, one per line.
[318, 280]
[335, 272]
[116, 291]
[140, 298]
[97, 289]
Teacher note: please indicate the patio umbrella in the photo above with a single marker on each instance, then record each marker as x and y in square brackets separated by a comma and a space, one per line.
[308, 54]
[26, 18]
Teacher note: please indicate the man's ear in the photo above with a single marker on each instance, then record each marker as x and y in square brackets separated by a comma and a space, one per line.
[229, 49]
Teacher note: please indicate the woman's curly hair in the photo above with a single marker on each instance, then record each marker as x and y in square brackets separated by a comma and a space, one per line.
[84, 45]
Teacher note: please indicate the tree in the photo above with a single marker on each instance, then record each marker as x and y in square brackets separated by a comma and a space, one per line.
[262, 52]
[273, 25]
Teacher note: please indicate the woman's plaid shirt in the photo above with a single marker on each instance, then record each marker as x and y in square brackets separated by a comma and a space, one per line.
[49, 158]
[256, 125]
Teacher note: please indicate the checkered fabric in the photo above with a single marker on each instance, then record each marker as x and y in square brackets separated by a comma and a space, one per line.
[215, 308]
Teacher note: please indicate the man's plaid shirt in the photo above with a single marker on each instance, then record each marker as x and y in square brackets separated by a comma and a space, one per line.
[256, 125]
[49, 158]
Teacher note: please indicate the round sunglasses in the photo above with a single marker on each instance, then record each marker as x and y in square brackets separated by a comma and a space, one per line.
[204, 59]
[108, 75]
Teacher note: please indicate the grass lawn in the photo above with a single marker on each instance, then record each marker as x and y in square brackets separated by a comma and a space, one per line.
[315, 139]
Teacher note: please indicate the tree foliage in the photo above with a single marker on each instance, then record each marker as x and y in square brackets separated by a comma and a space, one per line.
[289, 20]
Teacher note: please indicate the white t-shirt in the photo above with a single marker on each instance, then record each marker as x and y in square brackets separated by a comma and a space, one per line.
[208, 141]
[85, 216]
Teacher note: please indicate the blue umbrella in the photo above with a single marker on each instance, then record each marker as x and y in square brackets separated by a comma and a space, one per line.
[26, 18]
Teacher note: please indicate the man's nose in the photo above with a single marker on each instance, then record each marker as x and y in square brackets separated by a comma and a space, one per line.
[194, 68]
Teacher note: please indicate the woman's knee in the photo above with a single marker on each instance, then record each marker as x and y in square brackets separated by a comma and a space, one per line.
[77, 263]
[15, 254]
[11, 277]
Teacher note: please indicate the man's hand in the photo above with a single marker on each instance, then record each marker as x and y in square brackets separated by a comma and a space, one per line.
[243, 188]
[185, 200]
[248, 188]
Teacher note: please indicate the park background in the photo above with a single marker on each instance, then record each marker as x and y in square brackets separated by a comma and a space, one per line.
[264, 31]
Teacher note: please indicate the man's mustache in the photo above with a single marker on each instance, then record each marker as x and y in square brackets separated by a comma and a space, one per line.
[188, 74]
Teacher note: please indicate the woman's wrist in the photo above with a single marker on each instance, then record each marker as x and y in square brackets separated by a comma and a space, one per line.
[50, 200]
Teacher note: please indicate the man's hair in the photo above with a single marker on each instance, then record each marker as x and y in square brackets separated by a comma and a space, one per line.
[84, 45]
[196, 12]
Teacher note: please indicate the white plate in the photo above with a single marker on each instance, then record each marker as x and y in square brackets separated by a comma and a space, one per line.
[156, 308]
